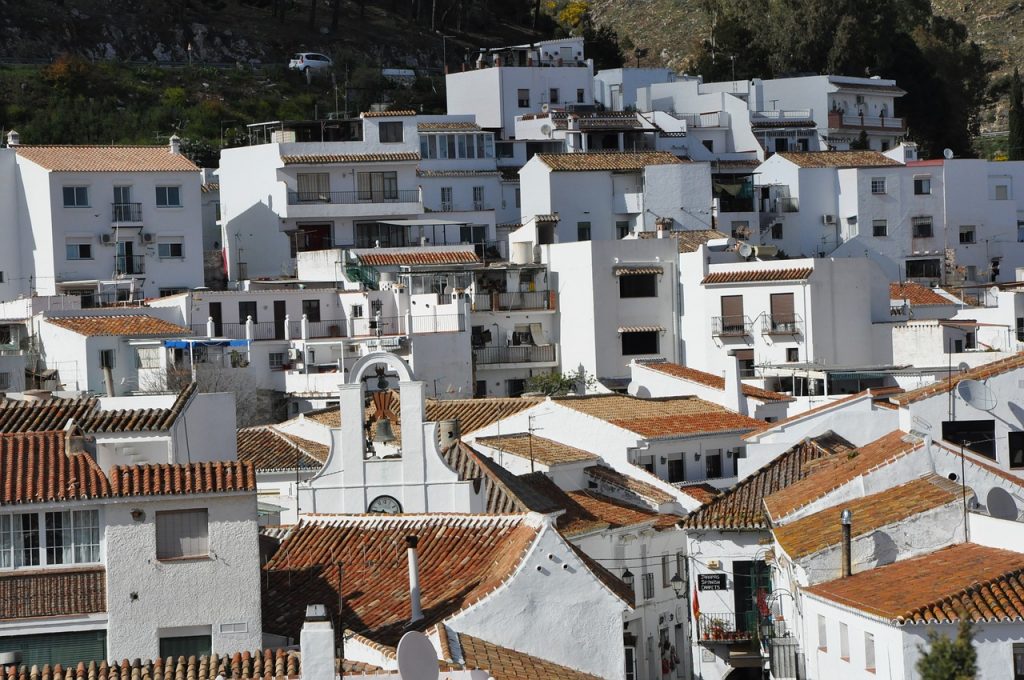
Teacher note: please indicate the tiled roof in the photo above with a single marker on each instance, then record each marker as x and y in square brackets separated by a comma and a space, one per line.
[916, 294]
[688, 240]
[461, 559]
[174, 480]
[503, 663]
[758, 275]
[985, 584]
[506, 493]
[649, 492]
[209, 187]
[628, 161]
[267, 448]
[822, 530]
[328, 158]
[545, 451]
[661, 417]
[379, 257]
[546, 218]
[52, 592]
[713, 381]
[838, 159]
[456, 173]
[130, 325]
[702, 491]
[742, 506]
[388, 114]
[982, 372]
[266, 665]
[68, 158]
[465, 125]
[54, 414]
[509, 174]
[839, 471]
[590, 507]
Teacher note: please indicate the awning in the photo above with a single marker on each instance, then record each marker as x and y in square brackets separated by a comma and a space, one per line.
[538, 336]
[638, 270]
[641, 329]
[420, 223]
[184, 344]
[972, 324]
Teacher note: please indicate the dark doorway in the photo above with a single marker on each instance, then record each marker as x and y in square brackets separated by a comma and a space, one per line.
[279, 313]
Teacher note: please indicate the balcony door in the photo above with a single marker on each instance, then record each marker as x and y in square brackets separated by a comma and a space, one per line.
[123, 205]
[126, 260]
[377, 187]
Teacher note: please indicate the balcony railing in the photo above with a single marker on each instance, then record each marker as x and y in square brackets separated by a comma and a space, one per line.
[128, 265]
[326, 328]
[354, 197]
[724, 627]
[846, 120]
[336, 328]
[782, 115]
[126, 212]
[731, 325]
[782, 324]
[521, 354]
[506, 302]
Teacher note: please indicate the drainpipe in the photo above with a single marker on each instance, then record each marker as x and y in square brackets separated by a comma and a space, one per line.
[846, 519]
[414, 579]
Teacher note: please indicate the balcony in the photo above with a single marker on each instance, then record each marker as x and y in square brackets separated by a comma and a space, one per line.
[129, 265]
[781, 117]
[311, 204]
[731, 326]
[723, 627]
[122, 213]
[517, 301]
[782, 324]
[516, 354]
[857, 122]
[333, 328]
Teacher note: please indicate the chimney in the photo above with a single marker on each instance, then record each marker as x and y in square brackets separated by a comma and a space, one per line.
[175, 144]
[414, 579]
[447, 433]
[734, 398]
[846, 519]
[108, 381]
[13, 138]
[316, 642]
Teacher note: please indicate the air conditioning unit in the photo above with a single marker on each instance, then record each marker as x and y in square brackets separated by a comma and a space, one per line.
[106, 239]
[147, 238]
[828, 219]
[294, 354]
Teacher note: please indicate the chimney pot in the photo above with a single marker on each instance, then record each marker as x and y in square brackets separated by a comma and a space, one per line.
[175, 144]
[846, 520]
[414, 580]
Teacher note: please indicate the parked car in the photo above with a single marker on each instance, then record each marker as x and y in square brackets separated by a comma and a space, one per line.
[304, 61]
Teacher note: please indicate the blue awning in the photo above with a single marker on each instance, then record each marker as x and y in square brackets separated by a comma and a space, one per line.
[185, 344]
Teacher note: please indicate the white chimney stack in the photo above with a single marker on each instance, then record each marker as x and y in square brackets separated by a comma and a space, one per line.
[13, 138]
[414, 579]
[316, 642]
[175, 144]
[734, 398]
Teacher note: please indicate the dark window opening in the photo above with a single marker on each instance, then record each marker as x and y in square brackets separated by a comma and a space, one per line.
[638, 286]
[1016, 445]
[676, 471]
[640, 342]
[976, 435]
[923, 269]
[311, 308]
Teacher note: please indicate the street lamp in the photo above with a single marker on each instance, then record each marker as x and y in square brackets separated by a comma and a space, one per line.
[678, 585]
[627, 577]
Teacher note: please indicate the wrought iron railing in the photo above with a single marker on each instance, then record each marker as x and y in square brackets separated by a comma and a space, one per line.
[782, 324]
[515, 354]
[353, 197]
[126, 212]
[731, 325]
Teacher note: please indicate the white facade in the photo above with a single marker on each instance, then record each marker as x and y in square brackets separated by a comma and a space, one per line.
[616, 88]
[14, 282]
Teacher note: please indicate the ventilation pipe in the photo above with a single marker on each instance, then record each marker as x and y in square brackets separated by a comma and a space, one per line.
[414, 579]
[846, 519]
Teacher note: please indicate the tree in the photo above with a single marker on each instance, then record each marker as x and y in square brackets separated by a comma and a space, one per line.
[861, 143]
[1015, 142]
[949, 659]
[559, 384]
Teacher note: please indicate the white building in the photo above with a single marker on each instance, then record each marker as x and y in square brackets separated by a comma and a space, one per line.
[96, 563]
[109, 223]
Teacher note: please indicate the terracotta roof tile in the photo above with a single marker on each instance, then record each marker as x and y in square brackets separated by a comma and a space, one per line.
[916, 294]
[648, 492]
[397, 113]
[713, 381]
[503, 663]
[266, 665]
[68, 158]
[839, 159]
[210, 187]
[758, 275]
[461, 559]
[822, 530]
[687, 240]
[613, 161]
[839, 471]
[742, 506]
[962, 581]
[181, 479]
[437, 126]
[545, 451]
[664, 417]
[702, 491]
[379, 257]
[267, 448]
[52, 592]
[129, 325]
[330, 158]
[506, 492]
[982, 372]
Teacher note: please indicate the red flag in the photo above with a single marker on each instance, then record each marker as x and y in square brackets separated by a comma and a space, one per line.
[696, 603]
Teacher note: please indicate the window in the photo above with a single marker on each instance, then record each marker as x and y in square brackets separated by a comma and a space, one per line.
[879, 228]
[1020, 231]
[966, 233]
[822, 634]
[631, 663]
[79, 251]
[313, 186]
[523, 98]
[734, 322]
[553, 95]
[19, 540]
[666, 571]
[311, 310]
[648, 581]
[107, 358]
[182, 533]
[922, 186]
[186, 646]
[5, 380]
[713, 464]
[638, 286]
[1002, 192]
[922, 227]
[164, 292]
[478, 198]
[1016, 445]
[390, 132]
[1018, 661]
[276, 361]
[745, 359]
[783, 316]
[792, 354]
[73, 537]
[245, 310]
[583, 231]
[640, 342]
[377, 186]
[76, 197]
[869, 652]
[878, 185]
[515, 386]
[923, 269]
[844, 641]
[356, 311]
[621, 228]
[676, 472]
[777, 231]
[170, 249]
[581, 96]
[446, 199]
[168, 197]
[976, 435]
[519, 198]
[147, 357]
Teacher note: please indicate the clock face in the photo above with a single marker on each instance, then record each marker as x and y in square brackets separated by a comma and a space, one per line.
[386, 505]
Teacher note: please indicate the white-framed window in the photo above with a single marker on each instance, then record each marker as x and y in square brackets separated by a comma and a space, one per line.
[182, 534]
[147, 357]
[922, 186]
[630, 663]
[391, 131]
[76, 197]
[822, 634]
[73, 537]
[878, 185]
[78, 250]
[879, 228]
[921, 226]
[170, 249]
[478, 198]
[844, 641]
[168, 197]
[869, 652]
[276, 361]
[648, 580]
[446, 199]
[523, 98]
[19, 540]
[356, 311]
[666, 571]
[967, 233]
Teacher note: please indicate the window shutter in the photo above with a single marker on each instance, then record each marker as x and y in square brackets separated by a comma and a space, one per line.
[732, 306]
[782, 307]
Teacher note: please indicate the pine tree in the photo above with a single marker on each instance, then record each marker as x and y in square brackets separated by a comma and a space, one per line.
[949, 659]
[1015, 141]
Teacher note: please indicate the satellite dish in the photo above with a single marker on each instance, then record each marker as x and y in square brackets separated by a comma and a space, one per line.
[1001, 504]
[947, 154]
[977, 394]
[746, 250]
[417, 658]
